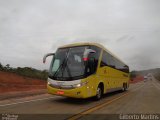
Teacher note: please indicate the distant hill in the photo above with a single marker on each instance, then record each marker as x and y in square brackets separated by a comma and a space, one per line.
[155, 72]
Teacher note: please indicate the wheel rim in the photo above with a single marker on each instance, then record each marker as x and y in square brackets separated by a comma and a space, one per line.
[99, 93]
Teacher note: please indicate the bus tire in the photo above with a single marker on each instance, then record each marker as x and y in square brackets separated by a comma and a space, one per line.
[99, 92]
[124, 88]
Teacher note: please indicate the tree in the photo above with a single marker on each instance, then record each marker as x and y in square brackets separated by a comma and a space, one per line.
[1, 66]
[8, 66]
[133, 74]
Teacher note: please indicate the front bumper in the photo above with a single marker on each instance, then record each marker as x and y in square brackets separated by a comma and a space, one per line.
[80, 92]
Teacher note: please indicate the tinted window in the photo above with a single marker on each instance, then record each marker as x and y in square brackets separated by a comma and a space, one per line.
[121, 66]
[104, 59]
[109, 60]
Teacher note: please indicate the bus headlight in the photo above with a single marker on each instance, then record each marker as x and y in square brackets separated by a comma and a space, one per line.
[80, 84]
[48, 83]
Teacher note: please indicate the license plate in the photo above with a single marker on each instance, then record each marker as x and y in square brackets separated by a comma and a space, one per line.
[60, 92]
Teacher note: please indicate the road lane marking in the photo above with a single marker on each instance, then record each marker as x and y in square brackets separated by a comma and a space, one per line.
[26, 101]
[138, 88]
[77, 116]
[157, 86]
[90, 110]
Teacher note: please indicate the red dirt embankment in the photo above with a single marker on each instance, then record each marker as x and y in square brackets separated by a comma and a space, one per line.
[11, 82]
[137, 79]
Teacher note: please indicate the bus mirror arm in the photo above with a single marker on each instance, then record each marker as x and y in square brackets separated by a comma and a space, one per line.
[87, 52]
[45, 56]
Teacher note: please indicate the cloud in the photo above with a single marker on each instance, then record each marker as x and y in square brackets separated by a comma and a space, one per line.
[29, 29]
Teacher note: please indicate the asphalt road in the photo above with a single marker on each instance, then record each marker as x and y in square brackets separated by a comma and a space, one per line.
[142, 97]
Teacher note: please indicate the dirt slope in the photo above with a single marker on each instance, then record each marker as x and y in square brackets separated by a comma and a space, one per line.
[10, 82]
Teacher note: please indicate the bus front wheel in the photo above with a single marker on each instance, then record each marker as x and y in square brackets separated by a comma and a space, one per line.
[99, 93]
[124, 88]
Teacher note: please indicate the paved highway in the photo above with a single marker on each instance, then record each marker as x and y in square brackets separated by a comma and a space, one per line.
[142, 97]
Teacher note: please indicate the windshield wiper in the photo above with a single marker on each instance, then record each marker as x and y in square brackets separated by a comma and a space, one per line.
[64, 66]
[61, 66]
[68, 71]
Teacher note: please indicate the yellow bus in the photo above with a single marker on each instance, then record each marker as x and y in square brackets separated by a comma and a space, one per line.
[85, 70]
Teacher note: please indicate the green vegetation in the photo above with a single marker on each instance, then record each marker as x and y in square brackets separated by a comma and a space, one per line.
[157, 75]
[133, 74]
[26, 71]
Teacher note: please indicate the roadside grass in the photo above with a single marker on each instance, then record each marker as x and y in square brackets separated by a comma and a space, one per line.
[26, 71]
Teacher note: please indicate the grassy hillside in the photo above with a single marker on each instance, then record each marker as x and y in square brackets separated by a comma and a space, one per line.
[26, 71]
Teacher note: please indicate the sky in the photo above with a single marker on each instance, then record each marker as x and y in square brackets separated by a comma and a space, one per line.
[31, 28]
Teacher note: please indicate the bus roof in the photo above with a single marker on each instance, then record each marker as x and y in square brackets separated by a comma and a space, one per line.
[94, 44]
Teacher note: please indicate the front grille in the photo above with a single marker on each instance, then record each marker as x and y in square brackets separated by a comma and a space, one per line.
[62, 86]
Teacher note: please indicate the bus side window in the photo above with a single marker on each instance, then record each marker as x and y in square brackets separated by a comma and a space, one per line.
[104, 59]
[111, 61]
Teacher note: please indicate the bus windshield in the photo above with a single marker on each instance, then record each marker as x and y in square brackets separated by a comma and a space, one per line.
[68, 64]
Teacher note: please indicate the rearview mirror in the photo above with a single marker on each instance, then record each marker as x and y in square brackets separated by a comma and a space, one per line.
[45, 56]
[87, 52]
